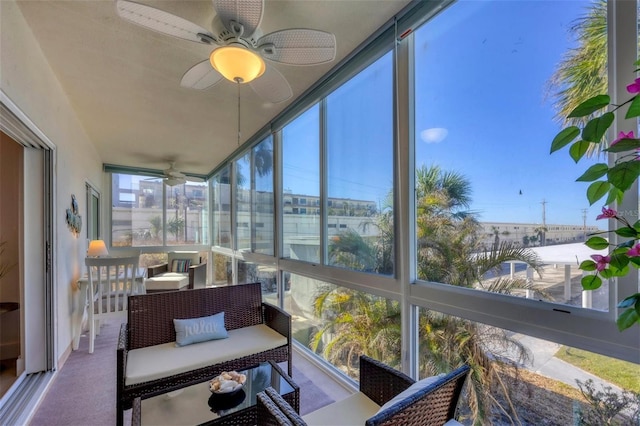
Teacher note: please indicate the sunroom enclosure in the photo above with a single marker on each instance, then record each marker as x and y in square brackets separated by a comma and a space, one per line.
[359, 207]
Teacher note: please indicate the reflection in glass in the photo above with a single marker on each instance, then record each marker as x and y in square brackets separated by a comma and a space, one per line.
[262, 201]
[222, 208]
[243, 202]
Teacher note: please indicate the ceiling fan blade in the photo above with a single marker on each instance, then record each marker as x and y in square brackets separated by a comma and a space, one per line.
[200, 76]
[298, 46]
[163, 22]
[240, 17]
[272, 86]
[193, 179]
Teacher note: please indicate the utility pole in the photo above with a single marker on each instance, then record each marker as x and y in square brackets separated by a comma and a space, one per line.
[584, 224]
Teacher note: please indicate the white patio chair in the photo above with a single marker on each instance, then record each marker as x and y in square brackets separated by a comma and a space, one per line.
[111, 281]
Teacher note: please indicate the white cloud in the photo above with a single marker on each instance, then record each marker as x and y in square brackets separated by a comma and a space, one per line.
[434, 134]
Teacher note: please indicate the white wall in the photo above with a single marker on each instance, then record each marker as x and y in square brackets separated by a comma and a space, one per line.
[27, 79]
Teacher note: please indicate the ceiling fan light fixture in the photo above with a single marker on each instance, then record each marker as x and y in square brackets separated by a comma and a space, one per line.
[237, 64]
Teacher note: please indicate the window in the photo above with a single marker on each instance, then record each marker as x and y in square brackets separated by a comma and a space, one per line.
[93, 213]
[360, 168]
[222, 208]
[146, 212]
[482, 149]
[301, 175]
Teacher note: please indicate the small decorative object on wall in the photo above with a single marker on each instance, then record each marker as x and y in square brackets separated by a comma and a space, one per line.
[74, 220]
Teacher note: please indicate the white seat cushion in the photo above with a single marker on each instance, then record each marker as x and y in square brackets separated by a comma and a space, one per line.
[167, 281]
[353, 410]
[156, 362]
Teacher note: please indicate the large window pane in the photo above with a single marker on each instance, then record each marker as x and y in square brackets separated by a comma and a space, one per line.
[137, 208]
[222, 269]
[222, 208]
[249, 272]
[301, 205]
[360, 170]
[243, 202]
[262, 202]
[187, 218]
[340, 324]
[518, 379]
[487, 189]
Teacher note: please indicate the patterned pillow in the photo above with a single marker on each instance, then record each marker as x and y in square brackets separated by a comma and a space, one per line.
[180, 265]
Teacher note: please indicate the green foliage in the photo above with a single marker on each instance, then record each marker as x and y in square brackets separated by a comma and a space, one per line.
[613, 182]
[607, 406]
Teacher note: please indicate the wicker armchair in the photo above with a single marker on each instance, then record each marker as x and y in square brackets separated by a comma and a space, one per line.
[432, 405]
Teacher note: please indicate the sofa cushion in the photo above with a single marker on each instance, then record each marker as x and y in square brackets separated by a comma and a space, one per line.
[165, 360]
[167, 281]
[180, 265]
[411, 390]
[353, 410]
[193, 256]
[195, 330]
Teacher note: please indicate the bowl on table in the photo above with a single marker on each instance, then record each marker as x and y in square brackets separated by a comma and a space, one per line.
[226, 383]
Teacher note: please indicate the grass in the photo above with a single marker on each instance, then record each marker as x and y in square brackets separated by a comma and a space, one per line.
[624, 374]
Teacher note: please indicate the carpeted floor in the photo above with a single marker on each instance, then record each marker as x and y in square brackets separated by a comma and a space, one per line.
[83, 393]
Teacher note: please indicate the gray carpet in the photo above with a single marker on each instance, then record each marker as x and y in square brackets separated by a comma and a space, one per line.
[83, 393]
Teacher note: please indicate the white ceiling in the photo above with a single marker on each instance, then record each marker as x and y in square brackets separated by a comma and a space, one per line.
[124, 80]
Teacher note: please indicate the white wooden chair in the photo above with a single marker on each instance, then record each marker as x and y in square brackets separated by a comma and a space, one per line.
[111, 281]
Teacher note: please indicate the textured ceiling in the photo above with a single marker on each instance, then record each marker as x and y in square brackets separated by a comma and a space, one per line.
[124, 80]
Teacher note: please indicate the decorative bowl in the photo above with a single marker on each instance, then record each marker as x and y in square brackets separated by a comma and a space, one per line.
[227, 382]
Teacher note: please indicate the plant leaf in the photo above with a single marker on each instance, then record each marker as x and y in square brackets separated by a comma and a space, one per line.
[619, 261]
[594, 172]
[623, 175]
[607, 273]
[578, 150]
[590, 105]
[635, 261]
[626, 232]
[626, 144]
[591, 282]
[595, 128]
[597, 190]
[634, 108]
[614, 195]
[588, 265]
[563, 138]
[627, 302]
[597, 243]
[627, 319]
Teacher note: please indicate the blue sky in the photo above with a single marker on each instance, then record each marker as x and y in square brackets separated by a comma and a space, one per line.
[482, 69]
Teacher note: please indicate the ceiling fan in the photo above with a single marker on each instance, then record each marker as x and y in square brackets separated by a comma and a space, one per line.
[239, 47]
[173, 177]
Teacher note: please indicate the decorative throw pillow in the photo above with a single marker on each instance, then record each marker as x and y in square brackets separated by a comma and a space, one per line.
[180, 265]
[194, 330]
[411, 390]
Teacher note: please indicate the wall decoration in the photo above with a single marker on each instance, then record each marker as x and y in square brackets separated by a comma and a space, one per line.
[74, 220]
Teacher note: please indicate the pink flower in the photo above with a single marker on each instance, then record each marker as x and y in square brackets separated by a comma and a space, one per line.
[634, 87]
[607, 214]
[601, 261]
[634, 251]
[623, 135]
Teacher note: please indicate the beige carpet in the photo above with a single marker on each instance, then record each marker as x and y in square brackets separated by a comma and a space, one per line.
[83, 393]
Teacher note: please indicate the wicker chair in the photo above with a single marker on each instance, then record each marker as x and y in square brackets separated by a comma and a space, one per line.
[432, 405]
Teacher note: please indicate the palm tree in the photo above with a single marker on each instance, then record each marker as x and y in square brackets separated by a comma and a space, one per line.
[449, 251]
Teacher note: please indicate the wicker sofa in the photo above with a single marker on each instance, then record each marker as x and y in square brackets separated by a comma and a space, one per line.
[386, 397]
[149, 362]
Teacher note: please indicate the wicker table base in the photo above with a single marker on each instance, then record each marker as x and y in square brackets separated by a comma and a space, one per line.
[195, 404]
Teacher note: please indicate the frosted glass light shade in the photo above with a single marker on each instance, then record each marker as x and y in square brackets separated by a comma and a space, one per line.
[97, 248]
[237, 64]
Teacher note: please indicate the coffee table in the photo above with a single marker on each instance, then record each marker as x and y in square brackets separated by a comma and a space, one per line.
[196, 405]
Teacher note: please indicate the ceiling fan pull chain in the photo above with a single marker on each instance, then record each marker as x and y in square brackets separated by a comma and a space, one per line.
[238, 80]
